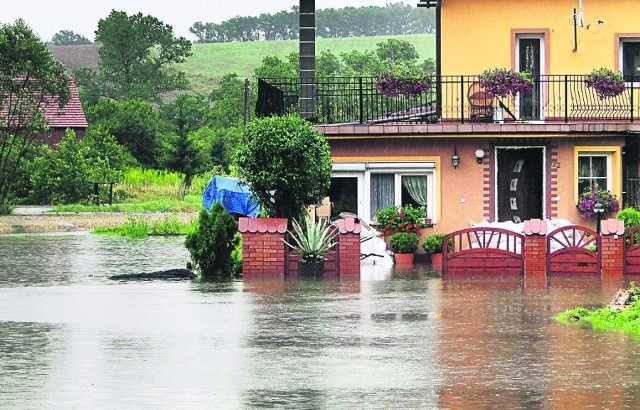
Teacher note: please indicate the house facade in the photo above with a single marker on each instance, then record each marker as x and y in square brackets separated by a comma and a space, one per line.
[514, 158]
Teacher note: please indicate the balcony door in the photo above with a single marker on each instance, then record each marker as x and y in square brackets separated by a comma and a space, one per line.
[529, 59]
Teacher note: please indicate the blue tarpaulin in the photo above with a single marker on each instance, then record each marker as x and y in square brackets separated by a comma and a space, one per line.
[234, 197]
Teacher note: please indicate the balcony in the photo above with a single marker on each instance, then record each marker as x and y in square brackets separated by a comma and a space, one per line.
[555, 99]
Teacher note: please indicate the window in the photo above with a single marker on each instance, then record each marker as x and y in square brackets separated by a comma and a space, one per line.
[398, 189]
[593, 169]
[343, 194]
[600, 165]
[630, 59]
[363, 187]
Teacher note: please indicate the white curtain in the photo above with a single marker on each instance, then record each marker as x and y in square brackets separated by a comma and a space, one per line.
[416, 185]
[382, 191]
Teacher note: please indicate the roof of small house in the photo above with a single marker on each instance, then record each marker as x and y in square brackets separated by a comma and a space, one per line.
[70, 116]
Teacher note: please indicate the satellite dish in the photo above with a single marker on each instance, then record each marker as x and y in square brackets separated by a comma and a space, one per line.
[580, 14]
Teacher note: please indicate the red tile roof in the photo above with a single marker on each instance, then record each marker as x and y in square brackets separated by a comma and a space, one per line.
[70, 116]
[262, 225]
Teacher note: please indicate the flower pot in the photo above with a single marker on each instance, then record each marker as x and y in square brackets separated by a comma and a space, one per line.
[436, 261]
[310, 269]
[403, 259]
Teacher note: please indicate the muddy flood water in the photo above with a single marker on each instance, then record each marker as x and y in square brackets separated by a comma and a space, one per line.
[72, 339]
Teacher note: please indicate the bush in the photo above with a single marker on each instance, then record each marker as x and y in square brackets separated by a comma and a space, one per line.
[433, 243]
[404, 242]
[630, 216]
[61, 175]
[212, 243]
[287, 162]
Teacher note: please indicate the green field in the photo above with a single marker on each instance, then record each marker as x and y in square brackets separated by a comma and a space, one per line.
[211, 61]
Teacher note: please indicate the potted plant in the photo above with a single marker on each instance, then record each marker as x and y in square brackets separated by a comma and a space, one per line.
[605, 83]
[500, 82]
[403, 82]
[392, 219]
[595, 195]
[312, 242]
[433, 246]
[404, 245]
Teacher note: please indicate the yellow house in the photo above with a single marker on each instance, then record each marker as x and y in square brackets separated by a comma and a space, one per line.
[477, 155]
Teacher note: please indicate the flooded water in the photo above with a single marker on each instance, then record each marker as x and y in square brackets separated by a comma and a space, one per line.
[71, 338]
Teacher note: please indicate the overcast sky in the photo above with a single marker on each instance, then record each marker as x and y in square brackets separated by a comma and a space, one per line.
[47, 17]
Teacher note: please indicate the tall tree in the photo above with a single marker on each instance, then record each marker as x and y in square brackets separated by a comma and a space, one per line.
[134, 123]
[67, 38]
[30, 80]
[135, 52]
[287, 162]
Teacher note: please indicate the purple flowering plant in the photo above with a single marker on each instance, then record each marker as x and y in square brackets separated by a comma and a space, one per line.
[594, 195]
[403, 82]
[605, 83]
[500, 82]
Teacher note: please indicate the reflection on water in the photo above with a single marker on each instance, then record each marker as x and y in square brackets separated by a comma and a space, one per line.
[70, 338]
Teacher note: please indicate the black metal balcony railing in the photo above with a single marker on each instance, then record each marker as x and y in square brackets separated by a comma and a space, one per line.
[355, 100]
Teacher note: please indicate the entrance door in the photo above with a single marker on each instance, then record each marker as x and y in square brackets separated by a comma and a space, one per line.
[529, 103]
[520, 184]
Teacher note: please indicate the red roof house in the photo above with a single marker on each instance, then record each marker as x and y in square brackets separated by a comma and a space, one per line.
[70, 116]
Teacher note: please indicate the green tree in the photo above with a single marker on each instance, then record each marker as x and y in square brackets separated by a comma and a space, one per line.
[212, 242]
[107, 159]
[135, 52]
[67, 38]
[61, 175]
[134, 123]
[397, 52]
[362, 63]
[185, 149]
[30, 79]
[287, 162]
[275, 67]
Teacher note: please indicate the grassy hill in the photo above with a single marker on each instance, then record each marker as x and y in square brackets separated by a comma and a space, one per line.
[211, 61]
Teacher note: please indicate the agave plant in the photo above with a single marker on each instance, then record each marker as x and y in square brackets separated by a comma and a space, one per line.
[312, 241]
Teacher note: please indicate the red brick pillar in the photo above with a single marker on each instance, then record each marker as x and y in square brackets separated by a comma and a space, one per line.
[349, 246]
[263, 251]
[612, 247]
[535, 247]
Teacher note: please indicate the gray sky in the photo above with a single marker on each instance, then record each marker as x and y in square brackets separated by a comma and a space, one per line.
[47, 17]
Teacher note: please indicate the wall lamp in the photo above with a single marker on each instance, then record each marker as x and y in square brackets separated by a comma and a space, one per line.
[455, 159]
[479, 155]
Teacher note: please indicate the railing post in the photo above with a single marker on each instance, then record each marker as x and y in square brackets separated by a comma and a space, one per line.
[535, 247]
[361, 100]
[566, 98]
[612, 245]
[462, 99]
[632, 87]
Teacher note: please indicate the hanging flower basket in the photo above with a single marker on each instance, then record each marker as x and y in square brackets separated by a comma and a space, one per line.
[594, 195]
[605, 83]
[394, 85]
[500, 82]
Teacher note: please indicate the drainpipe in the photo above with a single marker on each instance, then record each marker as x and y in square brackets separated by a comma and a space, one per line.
[307, 47]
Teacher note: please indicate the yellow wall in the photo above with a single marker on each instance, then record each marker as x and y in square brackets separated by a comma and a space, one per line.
[478, 35]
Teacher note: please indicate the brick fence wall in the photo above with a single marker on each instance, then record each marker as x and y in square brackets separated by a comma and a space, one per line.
[612, 247]
[264, 252]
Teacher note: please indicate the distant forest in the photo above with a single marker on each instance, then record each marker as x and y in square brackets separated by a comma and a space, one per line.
[393, 19]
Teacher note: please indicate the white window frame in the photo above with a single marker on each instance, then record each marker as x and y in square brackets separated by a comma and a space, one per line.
[623, 40]
[609, 166]
[363, 171]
